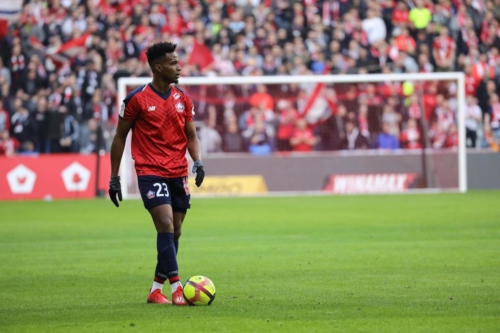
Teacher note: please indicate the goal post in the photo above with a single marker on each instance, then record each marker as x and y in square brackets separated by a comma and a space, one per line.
[126, 84]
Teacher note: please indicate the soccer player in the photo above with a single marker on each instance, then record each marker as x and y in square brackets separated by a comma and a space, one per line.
[161, 118]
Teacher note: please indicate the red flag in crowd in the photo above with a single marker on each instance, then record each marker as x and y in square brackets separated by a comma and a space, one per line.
[9, 12]
[201, 56]
[318, 106]
[68, 50]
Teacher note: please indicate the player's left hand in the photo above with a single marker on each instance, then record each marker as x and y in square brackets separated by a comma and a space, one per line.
[200, 172]
[115, 188]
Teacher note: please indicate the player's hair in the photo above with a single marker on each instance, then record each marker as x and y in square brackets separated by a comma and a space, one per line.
[159, 50]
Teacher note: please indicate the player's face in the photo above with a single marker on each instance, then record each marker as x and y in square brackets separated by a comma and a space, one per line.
[168, 68]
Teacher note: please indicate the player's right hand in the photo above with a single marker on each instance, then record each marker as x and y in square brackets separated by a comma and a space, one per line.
[115, 188]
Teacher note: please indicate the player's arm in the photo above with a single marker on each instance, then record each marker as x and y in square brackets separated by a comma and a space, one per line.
[194, 149]
[117, 147]
[118, 144]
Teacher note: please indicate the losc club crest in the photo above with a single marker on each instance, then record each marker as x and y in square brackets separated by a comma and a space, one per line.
[150, 195]
[179, 107]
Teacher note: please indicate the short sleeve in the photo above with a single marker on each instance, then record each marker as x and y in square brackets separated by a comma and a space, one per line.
[189, 112]
[129, 110]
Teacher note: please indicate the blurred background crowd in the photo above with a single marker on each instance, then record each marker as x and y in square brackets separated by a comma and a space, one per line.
[59, 64]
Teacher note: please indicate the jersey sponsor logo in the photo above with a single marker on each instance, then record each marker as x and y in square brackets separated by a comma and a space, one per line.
[122, 110]
[21, 179]
[150, 195]
[179, 107]
[151, 108]
[177, 96]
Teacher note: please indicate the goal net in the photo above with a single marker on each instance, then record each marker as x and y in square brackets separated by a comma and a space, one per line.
[373, 133]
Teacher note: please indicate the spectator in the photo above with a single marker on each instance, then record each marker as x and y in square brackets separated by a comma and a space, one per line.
[472, 121]
[27, 149]
[363, 121]
[8, 145]
[452, 137]
[262, 97]
[22, 126]
[489, 140]
[494, 114]
[68, 142]
[4, 118]
[392, 119]
[430, 101]
[410, 137]
[233, 142]
[209, 137]
[400, 15]
[42, 141]
[353, 139]
[287, 118]
[444, 115]
[420, 16]
[443, 50]
[91, 137]
[406, 43]
[414, 109]
[4, 72]
[386, 140]
[374, 27]
[303, 138]
[259, 137]
[407, 62]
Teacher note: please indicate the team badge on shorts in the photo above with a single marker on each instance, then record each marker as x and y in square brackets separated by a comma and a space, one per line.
[180, 107]
[186, 185]
[150, 195]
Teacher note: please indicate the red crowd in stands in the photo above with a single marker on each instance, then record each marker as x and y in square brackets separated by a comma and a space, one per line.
[60, 61]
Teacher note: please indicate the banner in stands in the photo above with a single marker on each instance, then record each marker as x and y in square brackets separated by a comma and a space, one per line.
[229, 185]
[371, 183]
[51, 176]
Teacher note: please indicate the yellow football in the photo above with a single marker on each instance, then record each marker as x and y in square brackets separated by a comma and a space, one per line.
[199, 290]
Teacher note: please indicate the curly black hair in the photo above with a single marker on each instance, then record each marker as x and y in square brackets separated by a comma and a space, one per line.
[159, 50]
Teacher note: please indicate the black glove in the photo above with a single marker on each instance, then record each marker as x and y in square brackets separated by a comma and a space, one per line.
[115, 188]
[200, 172]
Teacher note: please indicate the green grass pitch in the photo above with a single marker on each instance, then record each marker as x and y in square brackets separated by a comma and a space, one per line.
[409, 263]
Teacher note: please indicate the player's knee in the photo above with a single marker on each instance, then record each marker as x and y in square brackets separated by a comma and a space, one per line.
[164, 224]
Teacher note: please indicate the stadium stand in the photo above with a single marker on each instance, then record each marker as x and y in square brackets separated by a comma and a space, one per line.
[59, 63]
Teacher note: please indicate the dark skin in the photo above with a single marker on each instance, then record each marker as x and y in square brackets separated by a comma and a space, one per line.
[166, 71]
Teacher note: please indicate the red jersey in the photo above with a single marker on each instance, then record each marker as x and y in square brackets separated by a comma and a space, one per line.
[471, 84]
[400, 16]
[444, 47]
[303, 134]
[411, 137]
[159, 142]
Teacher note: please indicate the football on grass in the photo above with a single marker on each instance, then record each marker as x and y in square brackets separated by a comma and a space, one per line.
[199, 290]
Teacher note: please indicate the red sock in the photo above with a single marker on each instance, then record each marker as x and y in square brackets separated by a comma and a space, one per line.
[173, 279]
[157, 279]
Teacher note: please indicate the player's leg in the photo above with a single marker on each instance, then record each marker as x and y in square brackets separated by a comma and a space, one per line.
[179, 215]
[167, 267]
[181, 201]
[157, 200]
